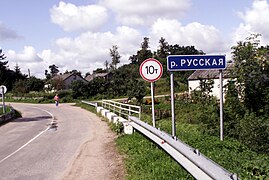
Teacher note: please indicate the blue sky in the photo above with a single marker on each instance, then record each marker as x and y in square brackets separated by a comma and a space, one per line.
[77, 34]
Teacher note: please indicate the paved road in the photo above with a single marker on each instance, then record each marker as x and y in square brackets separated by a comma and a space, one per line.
[30, 149]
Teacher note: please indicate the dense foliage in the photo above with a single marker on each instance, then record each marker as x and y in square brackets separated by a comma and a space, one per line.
[247, 102]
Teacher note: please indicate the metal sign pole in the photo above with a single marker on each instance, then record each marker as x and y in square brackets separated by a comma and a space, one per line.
[152, 103]
[173, 104]
[221, 104]
[3, 100]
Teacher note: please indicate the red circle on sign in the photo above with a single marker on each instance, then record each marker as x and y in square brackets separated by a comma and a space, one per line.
[151, 70]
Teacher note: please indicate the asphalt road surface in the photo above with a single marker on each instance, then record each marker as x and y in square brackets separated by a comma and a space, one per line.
[49, 142]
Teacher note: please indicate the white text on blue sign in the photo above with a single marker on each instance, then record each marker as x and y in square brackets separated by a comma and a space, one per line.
[195, 62]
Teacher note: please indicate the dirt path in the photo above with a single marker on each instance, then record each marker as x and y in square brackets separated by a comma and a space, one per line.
[97, 158]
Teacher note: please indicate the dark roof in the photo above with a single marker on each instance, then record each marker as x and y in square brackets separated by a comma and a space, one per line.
[91, 76]
[66, 76]
[62, 76]
[210, 74]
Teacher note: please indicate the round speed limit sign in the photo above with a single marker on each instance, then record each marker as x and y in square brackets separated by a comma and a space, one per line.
[151, 70]
[3, 89]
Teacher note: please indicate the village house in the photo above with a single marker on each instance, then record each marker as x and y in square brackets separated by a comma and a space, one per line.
[68, 78]
[194, 79]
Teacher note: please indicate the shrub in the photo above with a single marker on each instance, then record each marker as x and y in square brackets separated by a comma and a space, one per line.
[254, 132]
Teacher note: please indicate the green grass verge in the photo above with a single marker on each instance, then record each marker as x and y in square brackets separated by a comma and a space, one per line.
[8, 109]
[145, 160]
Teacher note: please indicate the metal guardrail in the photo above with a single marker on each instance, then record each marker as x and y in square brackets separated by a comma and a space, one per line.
[90, 103]
[122, 108]
[191, 159]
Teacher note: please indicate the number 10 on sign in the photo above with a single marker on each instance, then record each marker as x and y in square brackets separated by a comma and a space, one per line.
[151, 70]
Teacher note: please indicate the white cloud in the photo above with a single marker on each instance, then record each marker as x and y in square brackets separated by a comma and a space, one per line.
[255, 20]
[28, 54]
[203, 37]
[132, 12]
[71, 17]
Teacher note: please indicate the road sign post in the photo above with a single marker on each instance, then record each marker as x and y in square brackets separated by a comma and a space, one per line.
[196, 62]
[3, 90]
[173, 105]
[221, 104]
[151, 70]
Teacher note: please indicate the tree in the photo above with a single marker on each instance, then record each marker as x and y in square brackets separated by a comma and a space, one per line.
[47, 74]
[35, 84]
[251, 69]
[144, 53]
[115, 56]
[53, 71]
[163, 50]
[137, 90]
[19, 87]
[18, 73]
[133, 59]
[2, 62]
[247, 102]
[79, 89]
[233, 110]
[3, 67]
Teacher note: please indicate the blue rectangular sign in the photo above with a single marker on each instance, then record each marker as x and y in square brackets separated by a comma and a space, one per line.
[195, 62]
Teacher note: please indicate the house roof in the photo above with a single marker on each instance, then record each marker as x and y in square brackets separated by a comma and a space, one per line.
[91, 76]
[210, 74]
[66, 76]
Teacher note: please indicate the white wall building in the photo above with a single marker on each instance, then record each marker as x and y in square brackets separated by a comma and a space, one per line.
[194, 80]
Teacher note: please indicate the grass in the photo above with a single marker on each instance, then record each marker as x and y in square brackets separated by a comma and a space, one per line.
[7, 110]
[145, 160]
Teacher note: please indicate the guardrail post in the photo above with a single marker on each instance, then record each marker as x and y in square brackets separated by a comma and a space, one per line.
[139, 115]
[120, 110]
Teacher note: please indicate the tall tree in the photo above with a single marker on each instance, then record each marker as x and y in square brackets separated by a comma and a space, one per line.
[251, 67]
[53, 70]
[115, 56]
[163, 50]
[18, 73]
[3, 67]
[2, 62]
[144, 53]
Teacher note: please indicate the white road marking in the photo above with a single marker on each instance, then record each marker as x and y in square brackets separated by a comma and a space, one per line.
[52, 116]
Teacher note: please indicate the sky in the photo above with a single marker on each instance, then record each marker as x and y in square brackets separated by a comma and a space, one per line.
[77, 34]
